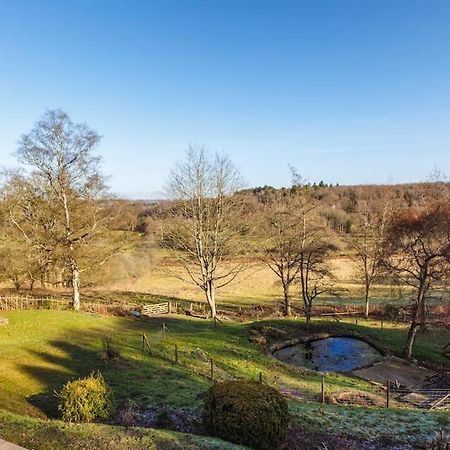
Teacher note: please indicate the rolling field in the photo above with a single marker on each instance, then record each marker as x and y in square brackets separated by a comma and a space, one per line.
[160, 275]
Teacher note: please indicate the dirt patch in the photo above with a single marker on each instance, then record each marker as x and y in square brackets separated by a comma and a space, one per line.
[293, 393]
[359, 398]
[397, 370]
[183, 420]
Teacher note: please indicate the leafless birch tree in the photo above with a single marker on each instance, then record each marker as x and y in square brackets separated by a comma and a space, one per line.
[58, 203]
[367, 240]
[205, 230]
[282, 248]
[315, 249]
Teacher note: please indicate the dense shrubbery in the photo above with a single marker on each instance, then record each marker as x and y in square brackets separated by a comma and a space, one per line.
[247, 412]
[86, 399]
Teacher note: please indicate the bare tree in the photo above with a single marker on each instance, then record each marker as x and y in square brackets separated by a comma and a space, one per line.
[296, 250]
[205, 229]
[58, 204]
[313, 245]
[417, 249]
[281, 249]
[372, 219]
[28, 225]
[315, 249]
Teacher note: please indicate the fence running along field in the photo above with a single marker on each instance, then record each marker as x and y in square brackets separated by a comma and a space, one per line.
[16, 303]
[175, 307]
[159, 308]
[423, 397]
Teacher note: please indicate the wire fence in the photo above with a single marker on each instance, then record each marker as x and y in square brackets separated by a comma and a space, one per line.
[420, 397]
[326, 390]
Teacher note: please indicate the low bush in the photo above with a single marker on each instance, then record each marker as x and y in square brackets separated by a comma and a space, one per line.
[128, 414]
[246, 412]
[85, 399]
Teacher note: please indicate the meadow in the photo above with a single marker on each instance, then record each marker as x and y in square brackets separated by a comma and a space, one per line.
[41, 350]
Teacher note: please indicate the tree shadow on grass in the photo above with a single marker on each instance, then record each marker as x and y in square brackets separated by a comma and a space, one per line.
[153, 381]
[147, 380]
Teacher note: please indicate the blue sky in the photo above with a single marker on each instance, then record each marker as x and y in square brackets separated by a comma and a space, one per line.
[346, 91]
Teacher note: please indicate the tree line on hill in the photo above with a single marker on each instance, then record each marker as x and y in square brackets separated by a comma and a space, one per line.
[60, 221]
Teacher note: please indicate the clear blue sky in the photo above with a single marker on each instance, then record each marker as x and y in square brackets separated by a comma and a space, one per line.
[346, 91]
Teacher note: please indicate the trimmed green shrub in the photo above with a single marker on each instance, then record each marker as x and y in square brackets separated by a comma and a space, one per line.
[85, 399]
[246, 412]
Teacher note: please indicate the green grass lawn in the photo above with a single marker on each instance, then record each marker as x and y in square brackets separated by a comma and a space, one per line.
[41, 350]
[55, 435]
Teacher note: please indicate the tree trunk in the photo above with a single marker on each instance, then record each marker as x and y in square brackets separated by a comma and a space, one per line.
[414, 324]
[75, 287]
[17, 283]
[43, 285]
[211, 298]
[422, 314]
[366, 299]
[287, 302]
[308, 314]
[420, 311]
[410, 340]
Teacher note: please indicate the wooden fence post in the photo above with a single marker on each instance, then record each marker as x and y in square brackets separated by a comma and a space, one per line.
[176, 353]
[322, 393]
[164, 330]
[388, 392]
[260, 377]
[146, 344]
[211, 369]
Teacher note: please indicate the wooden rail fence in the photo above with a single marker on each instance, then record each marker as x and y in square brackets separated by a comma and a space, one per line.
[18, 303]
[13, 303]
[158, 308]
[174, 307]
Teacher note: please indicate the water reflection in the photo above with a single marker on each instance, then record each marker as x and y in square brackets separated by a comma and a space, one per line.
[340, 354]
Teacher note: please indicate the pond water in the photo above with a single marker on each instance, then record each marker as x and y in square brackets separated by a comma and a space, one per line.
[333, 354]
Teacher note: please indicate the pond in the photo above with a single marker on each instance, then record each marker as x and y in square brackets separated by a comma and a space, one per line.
[332, 354]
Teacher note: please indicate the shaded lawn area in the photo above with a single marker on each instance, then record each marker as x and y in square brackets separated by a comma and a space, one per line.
[55, 435]
[41, 350]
